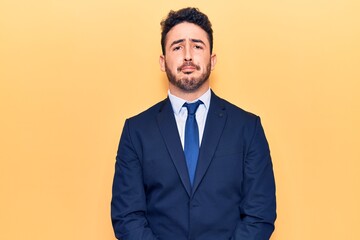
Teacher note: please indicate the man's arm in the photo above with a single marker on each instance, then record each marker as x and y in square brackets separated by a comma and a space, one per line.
[128, 205]
[258, 207]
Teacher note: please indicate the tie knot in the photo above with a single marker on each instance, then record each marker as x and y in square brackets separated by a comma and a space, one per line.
[192, 107]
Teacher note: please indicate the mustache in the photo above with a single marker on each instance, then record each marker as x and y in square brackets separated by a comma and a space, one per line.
[189, 64]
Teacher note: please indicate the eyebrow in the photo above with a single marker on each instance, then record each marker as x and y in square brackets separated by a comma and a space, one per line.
[197, 41]
[176, 42]
[191, 39]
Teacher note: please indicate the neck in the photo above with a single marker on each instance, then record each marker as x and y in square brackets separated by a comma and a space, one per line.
[188, 96]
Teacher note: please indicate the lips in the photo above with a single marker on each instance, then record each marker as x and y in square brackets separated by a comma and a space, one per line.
[188, 67]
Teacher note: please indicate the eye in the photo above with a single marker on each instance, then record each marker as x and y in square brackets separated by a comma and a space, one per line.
[198, 47]
[176, 48]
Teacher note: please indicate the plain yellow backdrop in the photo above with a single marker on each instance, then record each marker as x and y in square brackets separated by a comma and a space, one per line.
[72, 71]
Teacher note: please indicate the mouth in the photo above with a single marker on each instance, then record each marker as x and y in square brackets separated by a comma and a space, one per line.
[188, 68]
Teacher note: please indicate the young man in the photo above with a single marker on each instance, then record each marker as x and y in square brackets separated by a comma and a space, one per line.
[193, 166]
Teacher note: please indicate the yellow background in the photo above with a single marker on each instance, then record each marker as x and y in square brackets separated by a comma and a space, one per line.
[72, 71]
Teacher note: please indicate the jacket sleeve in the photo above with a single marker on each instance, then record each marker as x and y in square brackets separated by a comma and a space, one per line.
[258, 207]
[128, 205]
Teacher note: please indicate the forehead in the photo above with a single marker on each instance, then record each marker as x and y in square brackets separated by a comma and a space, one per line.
[186, 30]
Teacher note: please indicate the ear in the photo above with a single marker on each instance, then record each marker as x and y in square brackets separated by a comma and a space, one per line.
[162, 63]
[213, 61]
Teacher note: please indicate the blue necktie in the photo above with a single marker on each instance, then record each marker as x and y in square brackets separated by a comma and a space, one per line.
[191, 146]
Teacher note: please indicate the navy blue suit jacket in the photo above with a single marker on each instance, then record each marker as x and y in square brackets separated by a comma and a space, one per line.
[233, 196]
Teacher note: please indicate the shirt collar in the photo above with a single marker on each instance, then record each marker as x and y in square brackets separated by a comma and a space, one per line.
[177, 103]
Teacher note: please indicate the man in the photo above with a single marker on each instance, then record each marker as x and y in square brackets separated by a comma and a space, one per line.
[192, 166]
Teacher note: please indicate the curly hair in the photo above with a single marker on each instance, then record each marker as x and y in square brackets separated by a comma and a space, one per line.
[190, 15]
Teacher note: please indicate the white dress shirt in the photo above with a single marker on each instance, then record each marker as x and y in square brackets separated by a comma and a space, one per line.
[180, 113]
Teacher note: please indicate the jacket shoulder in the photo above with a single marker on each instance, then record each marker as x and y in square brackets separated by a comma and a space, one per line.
[234, 110]
[149, 113]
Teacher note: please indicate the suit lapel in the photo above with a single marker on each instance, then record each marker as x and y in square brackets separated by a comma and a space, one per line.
[214, 127]
[169, 131]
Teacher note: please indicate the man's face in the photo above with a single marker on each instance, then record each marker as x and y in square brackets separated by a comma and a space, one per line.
[187, 60]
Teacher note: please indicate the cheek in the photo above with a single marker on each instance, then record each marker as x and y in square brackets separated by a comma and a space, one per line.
[173, 63]
[201, 60]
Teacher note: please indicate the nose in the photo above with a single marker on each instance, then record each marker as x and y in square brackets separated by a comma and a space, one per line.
[188, 54]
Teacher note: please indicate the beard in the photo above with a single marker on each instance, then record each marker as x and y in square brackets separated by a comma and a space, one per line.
[188, 83]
